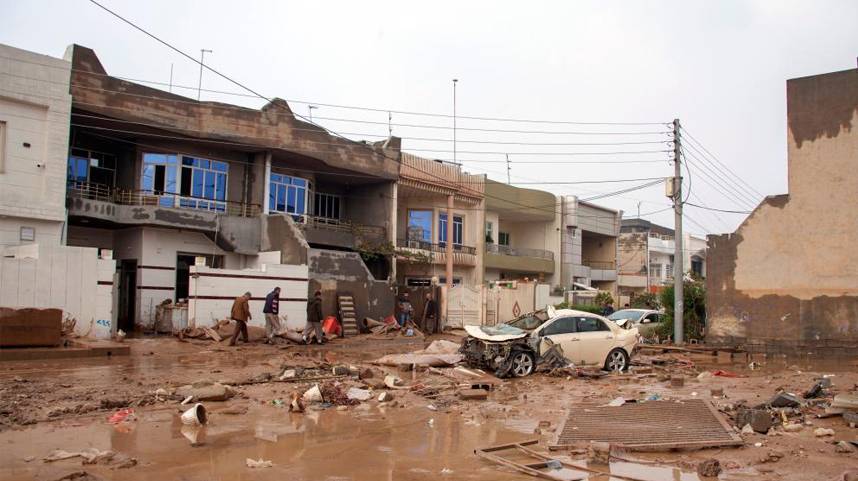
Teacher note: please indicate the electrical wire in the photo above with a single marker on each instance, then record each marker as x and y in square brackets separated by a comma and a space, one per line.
[722, 179]
[723, 189]
[721, 210]
[695, 141]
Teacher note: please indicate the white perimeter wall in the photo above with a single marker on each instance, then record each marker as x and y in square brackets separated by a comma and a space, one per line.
[212, 292]
[73, 279]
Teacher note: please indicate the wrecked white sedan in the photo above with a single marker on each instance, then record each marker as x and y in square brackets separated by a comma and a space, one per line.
[516, 348]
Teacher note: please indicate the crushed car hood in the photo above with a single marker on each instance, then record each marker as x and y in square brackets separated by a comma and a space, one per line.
[499, 333]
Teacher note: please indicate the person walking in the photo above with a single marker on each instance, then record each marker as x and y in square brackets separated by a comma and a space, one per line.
[314, 319]
[272, 315]
[240, 314]
[405, 309]
[608, 310]
[430, 309]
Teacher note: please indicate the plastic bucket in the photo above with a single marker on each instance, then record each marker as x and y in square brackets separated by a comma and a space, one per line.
[195, 416]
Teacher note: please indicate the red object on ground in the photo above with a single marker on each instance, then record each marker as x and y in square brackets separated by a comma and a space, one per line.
[120, 416]
[331, 326]
[390, 320]
[722, 373]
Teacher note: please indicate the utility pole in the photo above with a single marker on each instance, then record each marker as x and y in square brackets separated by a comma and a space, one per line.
[310, 111]
[678, 269]
[455, 81]
[203, 53]
[508, 168]
[389, 124]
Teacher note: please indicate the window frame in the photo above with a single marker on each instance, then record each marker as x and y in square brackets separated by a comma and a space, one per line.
[332, 203]
[86, 157]
[555, 322]
[503, 236]
[276, 183]
[424, 238]
[205, 168]
[596, 320]
[442, 229]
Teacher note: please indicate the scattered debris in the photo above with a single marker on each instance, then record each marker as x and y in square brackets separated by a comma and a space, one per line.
[759, 420]
[260, 463]
[314, 394]
[723, 373]
[784, 400]
[617, 402]
[206, 391]
[844, 447]
[845, 401]
[598, 452]
[851, 418]
[473, 394]
[121, 416]
[823, 432]
[195, 416]
[385, 397]
[358, 394]
[709, 468]
[677, 381]
[818, 388]
[793, 427]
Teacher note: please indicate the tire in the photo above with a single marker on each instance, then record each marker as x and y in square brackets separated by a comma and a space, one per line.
[617, 360]
[522, 363]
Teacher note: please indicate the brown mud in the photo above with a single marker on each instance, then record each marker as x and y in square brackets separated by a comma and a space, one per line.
[65, 404]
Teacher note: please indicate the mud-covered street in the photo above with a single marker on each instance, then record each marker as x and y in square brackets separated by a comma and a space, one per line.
[425, 432]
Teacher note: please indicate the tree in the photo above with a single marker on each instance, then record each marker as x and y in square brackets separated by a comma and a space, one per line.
[647, 300]
[603, 298]
[694, 309]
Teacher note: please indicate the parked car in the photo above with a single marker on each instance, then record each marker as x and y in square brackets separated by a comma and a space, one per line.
[647, 321]
[517, 347]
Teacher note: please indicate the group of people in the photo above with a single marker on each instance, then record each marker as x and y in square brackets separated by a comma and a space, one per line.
[240, 313]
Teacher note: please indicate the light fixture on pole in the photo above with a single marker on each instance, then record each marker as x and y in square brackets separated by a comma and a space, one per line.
[203, 53]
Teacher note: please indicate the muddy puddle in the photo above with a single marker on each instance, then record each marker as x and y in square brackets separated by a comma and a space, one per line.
[362, 443]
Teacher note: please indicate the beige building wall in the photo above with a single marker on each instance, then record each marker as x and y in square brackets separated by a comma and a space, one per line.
[788, 275]
[34, 130]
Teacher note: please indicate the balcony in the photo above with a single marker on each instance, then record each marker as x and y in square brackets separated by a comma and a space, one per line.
[339, 232]
[413, 250]
[519, 259]
[601, 270]
[101, 193]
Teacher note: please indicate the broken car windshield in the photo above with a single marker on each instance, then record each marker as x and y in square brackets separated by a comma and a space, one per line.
[530, 321]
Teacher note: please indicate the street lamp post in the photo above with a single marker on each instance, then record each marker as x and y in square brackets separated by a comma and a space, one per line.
[203, 53]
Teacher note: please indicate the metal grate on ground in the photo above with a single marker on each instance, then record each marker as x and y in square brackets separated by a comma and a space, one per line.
[650, 425]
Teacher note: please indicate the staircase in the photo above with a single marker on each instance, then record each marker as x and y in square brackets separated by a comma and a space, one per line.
[347, 315]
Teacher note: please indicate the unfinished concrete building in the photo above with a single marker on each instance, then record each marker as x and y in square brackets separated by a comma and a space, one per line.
[786, 278]
[166, 182]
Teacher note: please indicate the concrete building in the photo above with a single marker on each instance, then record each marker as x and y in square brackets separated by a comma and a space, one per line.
[522, 234]
[34, 132]
[787, 277]
[429, 193]
[588, 244]
[646, 252]
[167, 182]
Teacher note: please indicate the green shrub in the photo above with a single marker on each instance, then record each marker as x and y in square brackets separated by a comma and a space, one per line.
[603, 298]
[694, 309]
[647, 300]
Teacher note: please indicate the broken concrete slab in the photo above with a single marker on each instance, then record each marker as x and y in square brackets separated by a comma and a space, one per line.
[206, 391]
[760, 420]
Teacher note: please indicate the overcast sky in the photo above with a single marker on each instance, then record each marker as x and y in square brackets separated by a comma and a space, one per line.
[720, 67]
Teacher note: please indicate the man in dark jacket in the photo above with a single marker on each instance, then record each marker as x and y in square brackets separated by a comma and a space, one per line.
[272, 315]
[314, 319]
[240, 313]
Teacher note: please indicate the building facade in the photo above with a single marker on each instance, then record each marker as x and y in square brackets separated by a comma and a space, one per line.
[786, 278]
[522, 234]
[647, 251]
[34, 132]
[588, 245]
[429, 194]
[167, 182]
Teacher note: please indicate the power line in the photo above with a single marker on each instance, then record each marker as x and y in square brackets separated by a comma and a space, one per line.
[382, 153]
[720, 163]
[720, 210]
[725, 189]
[736, 187]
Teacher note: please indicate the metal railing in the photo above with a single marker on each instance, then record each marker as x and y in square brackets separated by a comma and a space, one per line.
[104, 193]
[340, 225]
[520, 251]
[441, 247]
[600, 265]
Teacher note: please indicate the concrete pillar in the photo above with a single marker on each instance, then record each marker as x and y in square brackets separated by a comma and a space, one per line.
[267, 183]
[391, 234]
[449, 241]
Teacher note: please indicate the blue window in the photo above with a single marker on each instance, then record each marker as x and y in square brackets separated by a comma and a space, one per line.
[457, 229]
[419, 225]
[159, 177]
[203, 180]
[287, 194]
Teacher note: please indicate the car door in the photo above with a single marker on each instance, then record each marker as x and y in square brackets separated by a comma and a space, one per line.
[560, 331]
[594, 340]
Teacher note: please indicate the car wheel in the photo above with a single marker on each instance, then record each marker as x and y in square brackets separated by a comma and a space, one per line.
[523, 363]
[618, 360]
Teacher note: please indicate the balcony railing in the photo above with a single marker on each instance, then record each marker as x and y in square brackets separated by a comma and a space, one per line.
[600, 265]
[428, 246]
[103, 193]
[339, 225]
[520, 251]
